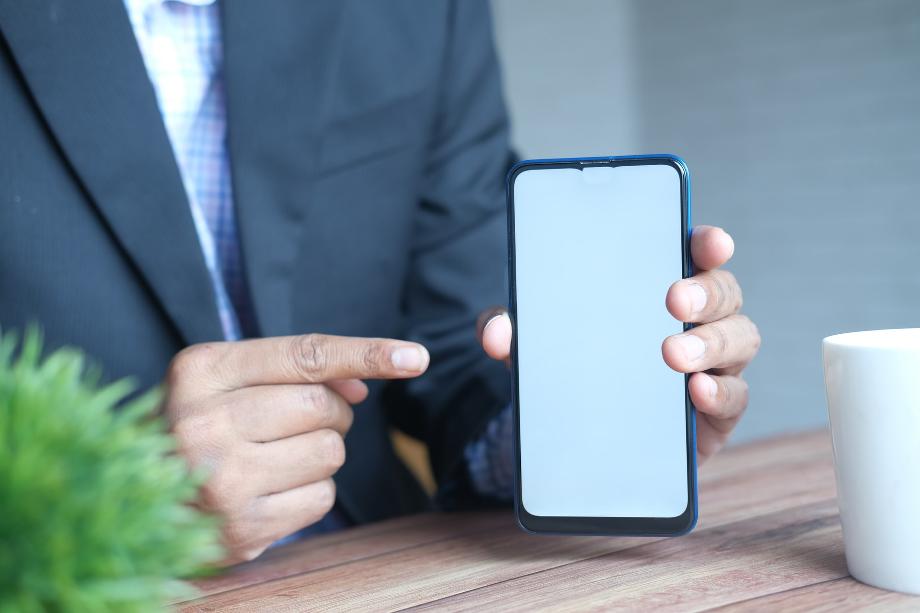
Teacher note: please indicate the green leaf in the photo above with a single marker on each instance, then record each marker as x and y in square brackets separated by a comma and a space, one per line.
[95, 506]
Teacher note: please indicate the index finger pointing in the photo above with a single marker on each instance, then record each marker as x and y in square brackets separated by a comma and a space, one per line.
[315, 358]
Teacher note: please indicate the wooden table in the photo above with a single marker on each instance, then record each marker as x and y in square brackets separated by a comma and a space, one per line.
[768, 539]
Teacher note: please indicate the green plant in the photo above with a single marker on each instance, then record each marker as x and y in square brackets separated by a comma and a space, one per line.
[94, 504]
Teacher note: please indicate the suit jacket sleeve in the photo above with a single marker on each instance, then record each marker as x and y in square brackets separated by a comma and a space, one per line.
[459, 258]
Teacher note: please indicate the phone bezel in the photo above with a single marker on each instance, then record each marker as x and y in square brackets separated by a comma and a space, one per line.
[614, 526]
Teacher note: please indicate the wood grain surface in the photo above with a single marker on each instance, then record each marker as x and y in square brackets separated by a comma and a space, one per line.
[768, 539]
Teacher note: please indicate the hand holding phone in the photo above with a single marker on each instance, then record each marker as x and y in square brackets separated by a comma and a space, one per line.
[710, 299]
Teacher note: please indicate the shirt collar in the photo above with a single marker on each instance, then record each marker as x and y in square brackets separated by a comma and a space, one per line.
[138, 10]
[140, 7]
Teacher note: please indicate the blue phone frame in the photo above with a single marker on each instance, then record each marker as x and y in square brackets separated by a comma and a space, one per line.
[613, 526]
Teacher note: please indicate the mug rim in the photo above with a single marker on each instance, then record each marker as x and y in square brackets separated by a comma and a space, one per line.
[892, 338]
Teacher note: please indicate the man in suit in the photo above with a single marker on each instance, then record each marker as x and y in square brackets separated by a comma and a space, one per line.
[324, 179]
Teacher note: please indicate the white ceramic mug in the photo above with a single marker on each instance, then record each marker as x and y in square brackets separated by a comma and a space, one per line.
[873, 400]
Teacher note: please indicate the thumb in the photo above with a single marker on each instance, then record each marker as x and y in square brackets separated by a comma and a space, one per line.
[495, 333]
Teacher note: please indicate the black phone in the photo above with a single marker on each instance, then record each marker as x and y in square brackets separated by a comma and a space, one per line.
[605, 431]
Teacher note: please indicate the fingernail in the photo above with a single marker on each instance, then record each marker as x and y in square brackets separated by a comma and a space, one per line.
[712, 388]
[731, 243]
[692, 346]
[411, 359]
[491, 320]
[698, 297]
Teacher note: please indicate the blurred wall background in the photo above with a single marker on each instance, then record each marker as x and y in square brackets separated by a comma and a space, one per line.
[800, 122]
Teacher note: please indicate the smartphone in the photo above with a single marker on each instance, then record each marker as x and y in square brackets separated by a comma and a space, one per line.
[605, 431]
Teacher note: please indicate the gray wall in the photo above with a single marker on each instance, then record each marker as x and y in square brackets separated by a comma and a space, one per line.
[800, 122]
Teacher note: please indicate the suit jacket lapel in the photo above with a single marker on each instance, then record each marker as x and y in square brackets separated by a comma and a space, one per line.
[279, 58]
[83, 67]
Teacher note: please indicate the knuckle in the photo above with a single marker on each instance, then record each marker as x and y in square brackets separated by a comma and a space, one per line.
[717, 291]
[240, 544]
[225, 489]
[732, 291]
[176, 411]
[210, 497]
[311, 397]
[186, 433]
[372, 357]
[332, 448]
[309, 355]
[193, 358]
[218, 494]
[743, 395]
[202, 431]
[719, 338]
[248, 554]
[724, 393]
[325, 495]
[734, 398]
[749, 331]
[349, 418]
[323, 405]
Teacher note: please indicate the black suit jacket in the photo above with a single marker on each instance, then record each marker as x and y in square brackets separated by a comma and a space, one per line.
[368, 144]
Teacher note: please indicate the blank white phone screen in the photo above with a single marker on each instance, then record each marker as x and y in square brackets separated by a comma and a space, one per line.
[603, 429]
